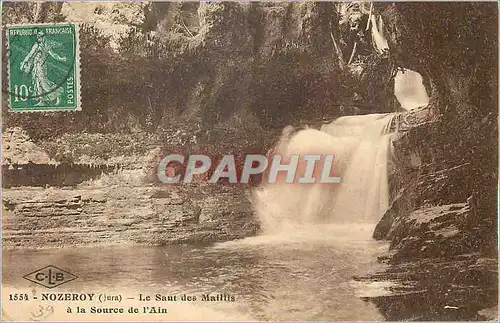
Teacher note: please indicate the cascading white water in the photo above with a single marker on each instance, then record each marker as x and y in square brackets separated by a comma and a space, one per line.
[364, 193]
[360, 145]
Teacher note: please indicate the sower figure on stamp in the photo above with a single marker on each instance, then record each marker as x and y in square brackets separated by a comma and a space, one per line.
[44, 90]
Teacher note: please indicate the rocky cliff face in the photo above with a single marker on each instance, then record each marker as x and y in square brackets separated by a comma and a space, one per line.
[442, 222]
[226, 77]
[161, 77]
[116, 215]
[211, 71]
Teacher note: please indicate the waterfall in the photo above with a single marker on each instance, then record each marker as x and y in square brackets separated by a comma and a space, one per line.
[360, 145]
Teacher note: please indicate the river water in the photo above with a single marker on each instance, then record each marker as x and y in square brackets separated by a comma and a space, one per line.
[303, 276]
[315, 239]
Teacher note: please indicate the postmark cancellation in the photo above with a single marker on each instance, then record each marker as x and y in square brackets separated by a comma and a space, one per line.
[43, 67]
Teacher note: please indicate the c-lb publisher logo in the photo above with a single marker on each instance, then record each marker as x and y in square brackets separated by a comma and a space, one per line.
[50, 276]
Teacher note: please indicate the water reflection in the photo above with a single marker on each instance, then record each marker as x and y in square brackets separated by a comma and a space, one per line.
[295, 280]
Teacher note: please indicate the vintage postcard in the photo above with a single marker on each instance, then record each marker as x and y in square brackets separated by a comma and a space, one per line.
[249, 161]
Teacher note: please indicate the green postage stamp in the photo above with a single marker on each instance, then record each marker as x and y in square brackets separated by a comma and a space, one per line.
[44, 67]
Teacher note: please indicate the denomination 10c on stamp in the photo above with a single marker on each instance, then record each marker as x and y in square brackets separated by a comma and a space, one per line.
[43, 67]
